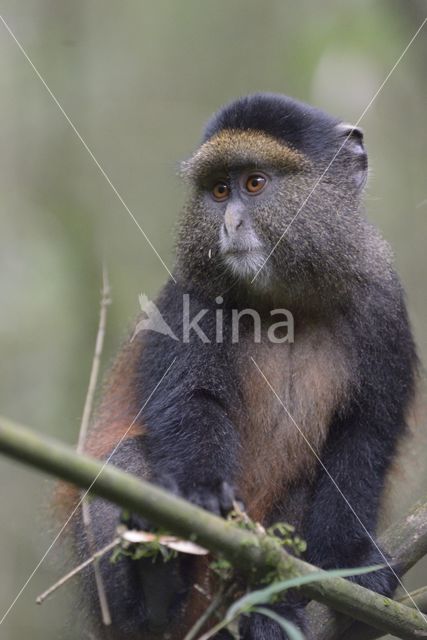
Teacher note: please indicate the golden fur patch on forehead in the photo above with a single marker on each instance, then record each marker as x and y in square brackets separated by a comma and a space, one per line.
[234, 147]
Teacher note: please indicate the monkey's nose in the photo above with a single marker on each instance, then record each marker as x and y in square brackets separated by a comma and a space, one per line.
[233, 219]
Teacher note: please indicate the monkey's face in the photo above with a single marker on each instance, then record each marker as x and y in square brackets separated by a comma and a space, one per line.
[267, 216]
[236, 199]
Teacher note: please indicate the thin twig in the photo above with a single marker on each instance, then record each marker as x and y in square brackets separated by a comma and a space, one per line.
[218, 627]
[125, 538]
[84, 427]
[96, 556]
[99, 344]
[420, 597]
[220, 597]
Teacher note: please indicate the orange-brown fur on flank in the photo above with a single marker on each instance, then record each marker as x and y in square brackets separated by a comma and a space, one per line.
[114, 420]
[231, 148]
[118, 411]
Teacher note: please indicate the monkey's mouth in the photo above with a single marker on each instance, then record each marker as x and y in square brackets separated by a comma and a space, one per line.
[243, 254]
[239, 252]
[244, 263]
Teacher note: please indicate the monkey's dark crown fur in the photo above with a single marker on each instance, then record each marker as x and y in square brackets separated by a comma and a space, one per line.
[299, 125]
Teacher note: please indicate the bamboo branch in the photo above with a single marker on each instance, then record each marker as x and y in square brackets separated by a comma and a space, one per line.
[419, 597]
[406, 542]
[360, 631]
[254, 555]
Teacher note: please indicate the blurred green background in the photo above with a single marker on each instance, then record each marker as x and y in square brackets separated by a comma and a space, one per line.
[139, 79]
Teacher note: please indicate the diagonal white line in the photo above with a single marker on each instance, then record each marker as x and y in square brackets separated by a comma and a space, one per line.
[85, 145]
[316, 184]
[55, 540]
[332, 479]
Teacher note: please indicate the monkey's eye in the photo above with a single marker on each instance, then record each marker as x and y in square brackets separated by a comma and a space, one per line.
[221, 191]
[255, 183]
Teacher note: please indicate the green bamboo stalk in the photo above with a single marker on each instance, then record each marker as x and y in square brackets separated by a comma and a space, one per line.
[360, 631]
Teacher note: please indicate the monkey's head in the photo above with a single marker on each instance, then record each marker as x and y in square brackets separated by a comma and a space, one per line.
[273, 210]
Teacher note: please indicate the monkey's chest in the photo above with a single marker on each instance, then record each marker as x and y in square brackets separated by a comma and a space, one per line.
[289, 394]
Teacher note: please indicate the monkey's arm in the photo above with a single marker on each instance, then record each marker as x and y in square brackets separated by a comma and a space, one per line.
[190, 447]
[341, 524]
[190, 443]
[173, 390]
[342, 520]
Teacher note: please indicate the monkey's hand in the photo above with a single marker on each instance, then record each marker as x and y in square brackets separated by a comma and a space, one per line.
[218, 498]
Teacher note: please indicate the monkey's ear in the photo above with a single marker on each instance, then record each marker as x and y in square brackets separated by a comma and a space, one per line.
[352, 137]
